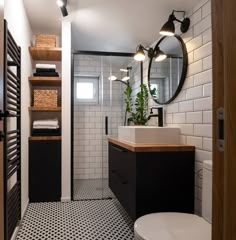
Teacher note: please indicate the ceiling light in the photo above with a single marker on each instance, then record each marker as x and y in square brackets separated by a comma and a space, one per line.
[112, 78]
[60, 3]
[168, 28]
[140, 55]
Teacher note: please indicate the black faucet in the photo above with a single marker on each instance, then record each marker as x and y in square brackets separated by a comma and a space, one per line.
[159, 115]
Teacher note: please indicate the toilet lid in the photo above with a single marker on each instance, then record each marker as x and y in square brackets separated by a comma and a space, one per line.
[172, 226]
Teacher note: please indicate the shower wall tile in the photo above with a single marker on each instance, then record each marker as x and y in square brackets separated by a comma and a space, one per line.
[90, 144]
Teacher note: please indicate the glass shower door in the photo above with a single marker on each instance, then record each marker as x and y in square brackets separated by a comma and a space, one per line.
[88, 127]
[98, 112]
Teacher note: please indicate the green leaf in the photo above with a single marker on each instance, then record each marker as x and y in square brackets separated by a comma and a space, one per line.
[139, 116]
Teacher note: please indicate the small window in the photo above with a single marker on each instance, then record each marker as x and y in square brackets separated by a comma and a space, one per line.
[86, 89]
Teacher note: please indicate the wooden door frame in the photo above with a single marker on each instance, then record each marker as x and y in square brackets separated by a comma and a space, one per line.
[229, 33]
[224, 91]
[218, 102]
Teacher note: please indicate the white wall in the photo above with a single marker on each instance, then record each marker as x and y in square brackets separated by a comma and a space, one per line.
[66, 111]
[191, 111]
[19, 26]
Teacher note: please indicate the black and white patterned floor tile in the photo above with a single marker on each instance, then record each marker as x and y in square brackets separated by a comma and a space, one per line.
[92, 189]
[78, 220]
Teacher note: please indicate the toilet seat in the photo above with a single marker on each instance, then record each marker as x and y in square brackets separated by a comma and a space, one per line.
[172, 226]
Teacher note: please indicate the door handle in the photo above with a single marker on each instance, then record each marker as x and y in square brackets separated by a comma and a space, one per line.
[220, 129]
[106, 125]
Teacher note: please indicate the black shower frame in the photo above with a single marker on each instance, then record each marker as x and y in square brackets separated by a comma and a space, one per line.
[96, 53]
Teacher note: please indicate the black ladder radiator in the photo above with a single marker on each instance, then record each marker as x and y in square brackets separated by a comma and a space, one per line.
[11, 116]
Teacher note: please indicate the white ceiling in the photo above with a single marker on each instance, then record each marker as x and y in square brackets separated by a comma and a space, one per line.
[106, 25]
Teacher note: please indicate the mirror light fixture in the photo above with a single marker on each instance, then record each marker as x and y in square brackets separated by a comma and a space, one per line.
[168, 29]
[157, 54]
[140, 55]
[124, 80]
[62, 4]
[124, 70]
[112, 78]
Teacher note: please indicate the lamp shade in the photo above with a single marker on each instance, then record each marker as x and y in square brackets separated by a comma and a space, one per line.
[139, 55]
[168, 29]
[160, 55]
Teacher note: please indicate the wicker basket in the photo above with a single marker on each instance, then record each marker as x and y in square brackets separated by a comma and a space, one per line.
[45, 98]
[45, 40]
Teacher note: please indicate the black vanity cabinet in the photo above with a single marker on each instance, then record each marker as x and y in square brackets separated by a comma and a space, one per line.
[148, 182]
[44, 170]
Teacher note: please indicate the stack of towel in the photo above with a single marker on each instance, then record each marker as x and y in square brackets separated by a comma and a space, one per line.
[46, 70]
[48, 127]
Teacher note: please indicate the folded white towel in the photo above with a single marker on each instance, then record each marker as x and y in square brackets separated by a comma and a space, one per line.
[45, 66]
[45, 127]
[46, 122]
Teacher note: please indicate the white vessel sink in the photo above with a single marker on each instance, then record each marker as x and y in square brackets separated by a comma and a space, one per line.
[149, 135]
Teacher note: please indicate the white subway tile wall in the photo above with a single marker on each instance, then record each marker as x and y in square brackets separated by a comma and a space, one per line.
[192, 109]
[90, 142]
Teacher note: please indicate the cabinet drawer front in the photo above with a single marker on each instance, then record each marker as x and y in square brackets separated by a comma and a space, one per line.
[123, 163]
[122, 176]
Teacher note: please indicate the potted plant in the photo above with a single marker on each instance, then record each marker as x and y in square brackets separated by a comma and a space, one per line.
[138, 113]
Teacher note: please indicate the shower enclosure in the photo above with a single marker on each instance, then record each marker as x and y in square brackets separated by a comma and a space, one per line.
[98, 111]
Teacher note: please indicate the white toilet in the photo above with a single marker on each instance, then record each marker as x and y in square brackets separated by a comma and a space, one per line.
[180, 226]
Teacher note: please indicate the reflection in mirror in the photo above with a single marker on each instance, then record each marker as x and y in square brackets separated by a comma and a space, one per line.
[166, 77]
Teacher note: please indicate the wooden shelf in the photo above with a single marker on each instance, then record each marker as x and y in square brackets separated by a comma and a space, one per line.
[45, 81]
[44, 138]
[45, 54]
[42, 109]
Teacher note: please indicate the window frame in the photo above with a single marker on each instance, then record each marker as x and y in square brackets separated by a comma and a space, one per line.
[87, 79]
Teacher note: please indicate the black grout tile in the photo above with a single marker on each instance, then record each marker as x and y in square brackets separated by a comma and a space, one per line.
[85, 220]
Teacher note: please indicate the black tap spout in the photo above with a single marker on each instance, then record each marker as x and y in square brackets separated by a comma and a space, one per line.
[159, 115]
[152, 115]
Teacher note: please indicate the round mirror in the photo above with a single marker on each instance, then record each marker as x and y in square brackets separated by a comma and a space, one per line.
[167, 72]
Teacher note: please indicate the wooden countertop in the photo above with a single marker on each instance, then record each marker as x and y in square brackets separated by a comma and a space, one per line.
[152, 147]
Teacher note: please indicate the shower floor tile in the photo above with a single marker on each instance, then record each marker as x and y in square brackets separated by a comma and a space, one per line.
[78, 220]
[85, 189]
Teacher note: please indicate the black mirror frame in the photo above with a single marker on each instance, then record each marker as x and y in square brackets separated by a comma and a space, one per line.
[184, 69]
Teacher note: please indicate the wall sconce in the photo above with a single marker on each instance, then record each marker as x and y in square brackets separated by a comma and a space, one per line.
[62, 4]
[157, 54]
[168, 28]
